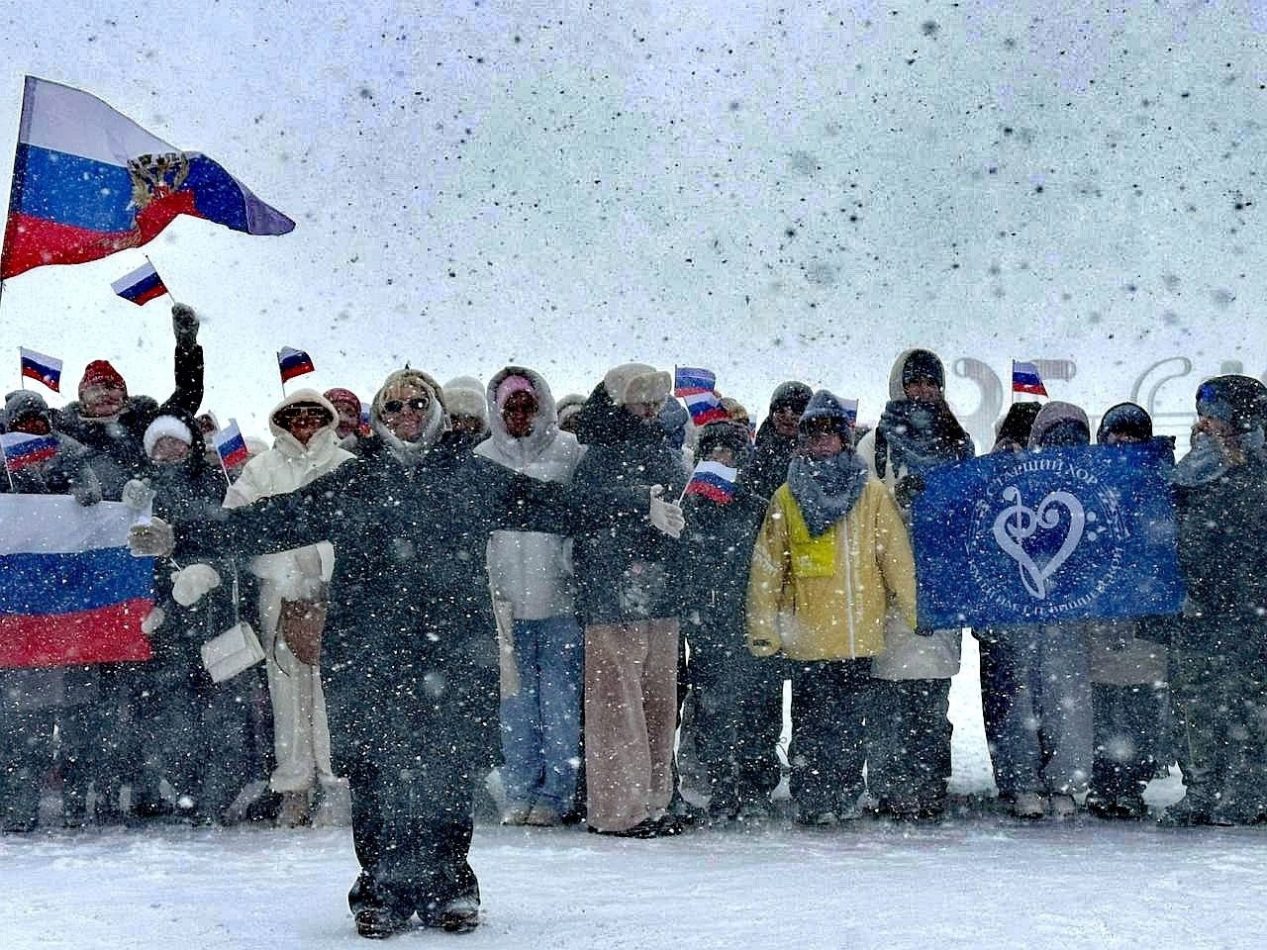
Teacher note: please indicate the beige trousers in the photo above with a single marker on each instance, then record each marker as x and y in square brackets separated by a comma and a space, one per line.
[630, 718]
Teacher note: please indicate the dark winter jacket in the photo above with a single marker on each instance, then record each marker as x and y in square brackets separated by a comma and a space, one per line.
[409, 588]
[115, 442]
[768, 469]
[623, 564]
[1223, 558]
[66, 473]
[185, 492]
[712, 567]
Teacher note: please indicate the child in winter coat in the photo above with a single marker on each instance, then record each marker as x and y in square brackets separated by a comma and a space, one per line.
[831, 552]
[738, 697]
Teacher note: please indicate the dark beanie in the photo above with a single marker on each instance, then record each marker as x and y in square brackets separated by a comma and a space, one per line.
[827, 405]
[792, 395]
[733, 435]
[1125, 419]
[1240, 400]
[923, 364]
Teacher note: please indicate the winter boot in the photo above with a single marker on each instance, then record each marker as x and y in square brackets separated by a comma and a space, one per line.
[295, 811]
[379, 923]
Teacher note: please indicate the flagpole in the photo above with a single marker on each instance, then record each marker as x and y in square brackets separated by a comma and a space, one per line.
[7, 474]
[167, 289]
[279, 373]
[21, 375]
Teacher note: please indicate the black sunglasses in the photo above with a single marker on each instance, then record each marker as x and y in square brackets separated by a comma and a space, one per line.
[418, 403]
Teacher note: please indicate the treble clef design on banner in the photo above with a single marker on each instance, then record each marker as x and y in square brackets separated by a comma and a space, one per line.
[1018, 523]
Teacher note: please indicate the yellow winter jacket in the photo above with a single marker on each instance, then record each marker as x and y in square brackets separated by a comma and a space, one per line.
[825, 598]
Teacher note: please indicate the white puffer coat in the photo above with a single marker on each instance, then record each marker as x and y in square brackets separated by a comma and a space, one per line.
[288, 465]
[530, 569]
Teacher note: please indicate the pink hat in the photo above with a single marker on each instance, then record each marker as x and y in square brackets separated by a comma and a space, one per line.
[511, 385]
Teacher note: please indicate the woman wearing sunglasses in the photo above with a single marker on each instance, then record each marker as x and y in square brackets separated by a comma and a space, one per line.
[406, 691]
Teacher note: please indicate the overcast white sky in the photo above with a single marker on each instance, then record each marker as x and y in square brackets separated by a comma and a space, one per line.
[770, 190]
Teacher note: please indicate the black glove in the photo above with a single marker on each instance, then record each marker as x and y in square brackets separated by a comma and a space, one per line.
[185, 324]
[923, 631]
[907, 487]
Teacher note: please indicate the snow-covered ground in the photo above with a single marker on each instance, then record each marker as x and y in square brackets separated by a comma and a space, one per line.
[975, 880]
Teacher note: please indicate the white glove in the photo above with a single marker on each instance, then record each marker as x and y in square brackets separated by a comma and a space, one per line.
[137, 495]
[155, 539]
[665, 515]
[191, 583]
[153, 620]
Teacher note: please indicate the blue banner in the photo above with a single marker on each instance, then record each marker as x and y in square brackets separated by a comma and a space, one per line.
[1061, 534]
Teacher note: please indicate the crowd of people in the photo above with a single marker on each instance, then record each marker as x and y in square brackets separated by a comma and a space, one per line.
[481, 577]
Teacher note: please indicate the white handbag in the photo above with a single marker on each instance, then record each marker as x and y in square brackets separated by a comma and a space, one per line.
[235, 650]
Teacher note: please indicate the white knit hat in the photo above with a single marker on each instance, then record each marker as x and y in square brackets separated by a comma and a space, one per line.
[631, 383]
[168, 426]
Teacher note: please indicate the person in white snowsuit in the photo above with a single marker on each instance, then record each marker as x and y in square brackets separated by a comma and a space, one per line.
[305, 448]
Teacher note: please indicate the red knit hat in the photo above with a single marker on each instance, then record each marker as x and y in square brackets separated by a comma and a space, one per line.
[101, 373]
[338, 395]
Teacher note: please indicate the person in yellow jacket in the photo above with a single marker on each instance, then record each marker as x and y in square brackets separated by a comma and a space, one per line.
[831, 556]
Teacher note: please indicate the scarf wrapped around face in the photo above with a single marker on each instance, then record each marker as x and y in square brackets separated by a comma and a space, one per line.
[826, 489]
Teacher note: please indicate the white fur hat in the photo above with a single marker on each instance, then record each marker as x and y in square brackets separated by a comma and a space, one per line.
[465, 396]
[166, 426]
[631, 383]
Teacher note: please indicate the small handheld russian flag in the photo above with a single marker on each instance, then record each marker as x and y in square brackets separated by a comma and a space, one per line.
[21, 450]
[704, 408]
[41, 368]
[292, 362]
[851, 410]
[689, 381]
[141, 285]
[230, 446]
[714, 481]
[1025, 379]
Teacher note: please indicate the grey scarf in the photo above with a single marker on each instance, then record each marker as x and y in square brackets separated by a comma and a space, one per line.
[826, 489]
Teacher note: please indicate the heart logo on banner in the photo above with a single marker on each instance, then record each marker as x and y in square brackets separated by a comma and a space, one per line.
[1017, 523]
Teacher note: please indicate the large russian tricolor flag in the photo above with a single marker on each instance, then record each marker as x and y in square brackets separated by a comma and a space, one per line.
[88, 181]
[70, 592]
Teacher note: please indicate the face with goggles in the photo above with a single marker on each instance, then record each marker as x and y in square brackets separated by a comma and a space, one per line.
[405, 408]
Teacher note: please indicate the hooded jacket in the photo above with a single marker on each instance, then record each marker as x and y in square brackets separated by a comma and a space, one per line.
[531, 570]
[69, 472]
[906, 654]
[289, 465]
[623, 566]
[410, 625]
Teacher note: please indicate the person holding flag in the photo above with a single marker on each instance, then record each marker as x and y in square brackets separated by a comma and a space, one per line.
[35, 700]
[909, 731]
[110, 422]
[738, 698]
